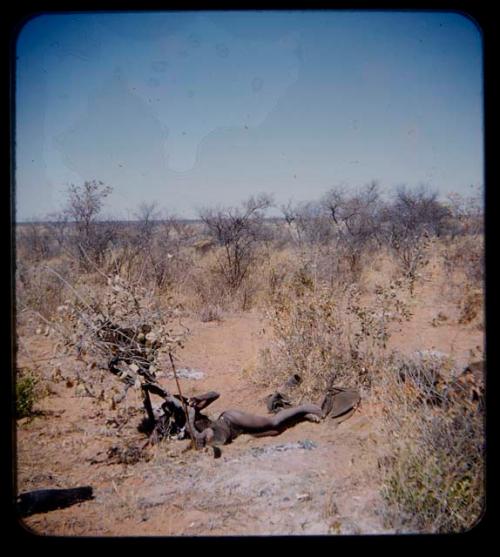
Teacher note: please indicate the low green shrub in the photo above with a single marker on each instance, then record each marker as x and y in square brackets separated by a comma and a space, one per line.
[26, 394]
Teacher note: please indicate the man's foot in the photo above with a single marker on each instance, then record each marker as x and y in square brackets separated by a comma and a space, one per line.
[313, 418]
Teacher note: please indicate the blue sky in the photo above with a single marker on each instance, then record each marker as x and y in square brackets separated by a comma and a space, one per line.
[207, 108]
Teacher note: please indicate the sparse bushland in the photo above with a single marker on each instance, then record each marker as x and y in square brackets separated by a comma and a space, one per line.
[463, 277]
[203, 288]
[463, 259]
[35, 241]
[339, 227]
[159, 242]
[228, 260]
[463, 252]
[333, 279]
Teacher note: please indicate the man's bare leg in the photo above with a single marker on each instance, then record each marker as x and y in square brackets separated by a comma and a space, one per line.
[202, 401]
[306, 411]
[259, 426]
[251, 423]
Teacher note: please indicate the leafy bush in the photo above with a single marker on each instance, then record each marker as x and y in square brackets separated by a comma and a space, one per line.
[26, 394]
[122, 327]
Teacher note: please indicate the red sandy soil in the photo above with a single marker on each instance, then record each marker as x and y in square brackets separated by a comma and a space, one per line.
[312, 479]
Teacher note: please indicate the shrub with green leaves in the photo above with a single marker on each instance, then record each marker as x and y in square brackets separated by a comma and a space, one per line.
[26, 394]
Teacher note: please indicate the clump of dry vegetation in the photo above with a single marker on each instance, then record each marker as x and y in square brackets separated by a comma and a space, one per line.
[329, 336]
[462, 253]
[471, 306]
[434, 471]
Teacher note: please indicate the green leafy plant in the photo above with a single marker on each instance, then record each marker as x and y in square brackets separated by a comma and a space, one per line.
[26, 394]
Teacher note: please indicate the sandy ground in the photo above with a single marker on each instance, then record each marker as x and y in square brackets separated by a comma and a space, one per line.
[312, 479]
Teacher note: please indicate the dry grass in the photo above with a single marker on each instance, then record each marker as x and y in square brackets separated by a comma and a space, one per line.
[471, 306]
[463, 258]
[329, 335]
[433, 471]
[198, 287]
[462, 262]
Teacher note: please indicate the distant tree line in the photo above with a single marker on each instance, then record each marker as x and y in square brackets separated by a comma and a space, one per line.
[350, 220]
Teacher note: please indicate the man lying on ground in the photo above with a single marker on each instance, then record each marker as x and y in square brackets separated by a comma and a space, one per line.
[339, 403]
